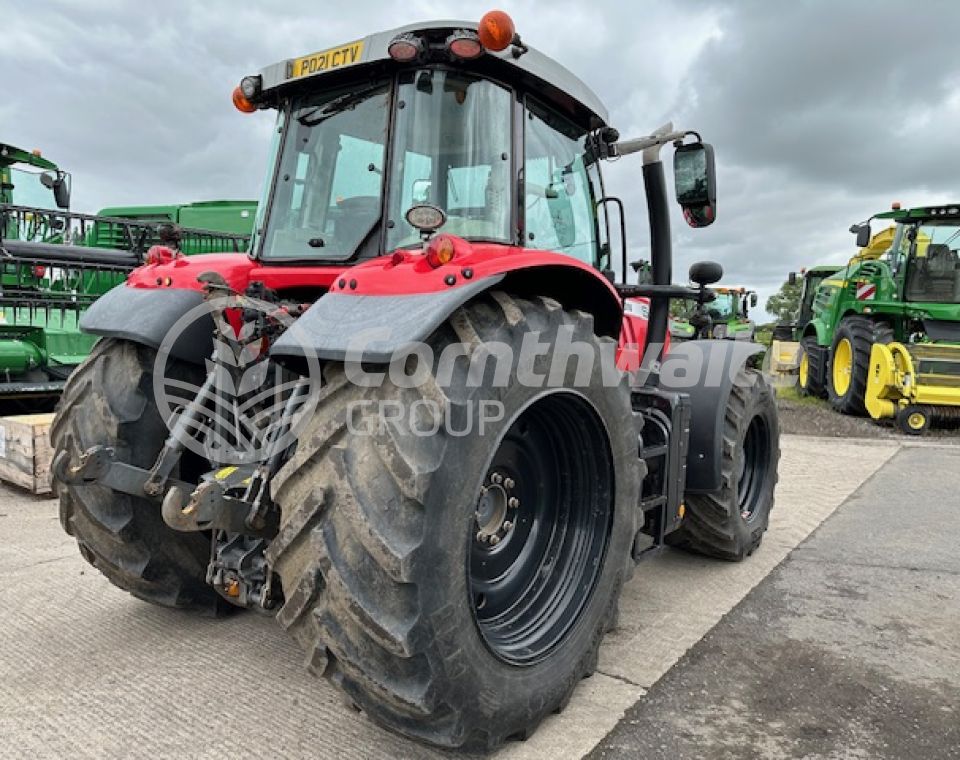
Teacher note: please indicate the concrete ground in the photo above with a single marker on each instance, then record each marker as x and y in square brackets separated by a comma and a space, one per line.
[88, 671]
[850, 648]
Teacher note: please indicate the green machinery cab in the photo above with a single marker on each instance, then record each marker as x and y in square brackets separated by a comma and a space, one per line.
[884, 333]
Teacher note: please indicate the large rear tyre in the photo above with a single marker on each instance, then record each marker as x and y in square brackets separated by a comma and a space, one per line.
[730, 524]
[109, 400]
[850, 362]
[457, 587]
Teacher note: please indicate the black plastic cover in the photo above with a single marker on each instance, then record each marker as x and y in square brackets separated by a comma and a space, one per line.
[705, 371]
[146, 315]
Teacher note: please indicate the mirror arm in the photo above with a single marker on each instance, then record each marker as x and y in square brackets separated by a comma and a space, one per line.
[651, 144]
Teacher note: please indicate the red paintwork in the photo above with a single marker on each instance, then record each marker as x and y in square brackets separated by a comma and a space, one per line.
[403, 272]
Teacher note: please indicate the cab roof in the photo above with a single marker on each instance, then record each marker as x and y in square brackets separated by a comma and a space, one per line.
[10, 155]
[534, 69]
[921, 212]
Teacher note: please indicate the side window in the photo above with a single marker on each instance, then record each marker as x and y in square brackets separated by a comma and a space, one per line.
[559, 198]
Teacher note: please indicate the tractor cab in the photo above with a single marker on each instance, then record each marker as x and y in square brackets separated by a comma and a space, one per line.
[732, 303]
[501, 140]
[917, 263]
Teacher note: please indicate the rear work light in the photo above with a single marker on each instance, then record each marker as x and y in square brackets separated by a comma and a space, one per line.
[405, 47]
[440, 251]
[464, 45]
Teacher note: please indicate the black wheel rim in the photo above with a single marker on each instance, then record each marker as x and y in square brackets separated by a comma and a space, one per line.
[753, 468]
[541, 528]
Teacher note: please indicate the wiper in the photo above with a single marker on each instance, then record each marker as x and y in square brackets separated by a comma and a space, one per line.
[319, 114]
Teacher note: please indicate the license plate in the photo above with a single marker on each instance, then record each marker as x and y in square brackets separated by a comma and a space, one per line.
[325, 60]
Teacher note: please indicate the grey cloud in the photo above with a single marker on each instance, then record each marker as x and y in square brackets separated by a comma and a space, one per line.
[821, 113]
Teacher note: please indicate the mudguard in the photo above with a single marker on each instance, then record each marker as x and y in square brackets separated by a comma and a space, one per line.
[374, 328]
[145, 315]
[705, 371]
[816, 327]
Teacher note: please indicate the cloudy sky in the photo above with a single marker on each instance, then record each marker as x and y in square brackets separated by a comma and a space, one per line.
[821, 113]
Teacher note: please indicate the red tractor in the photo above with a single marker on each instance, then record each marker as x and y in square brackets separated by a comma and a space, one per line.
[402, 425]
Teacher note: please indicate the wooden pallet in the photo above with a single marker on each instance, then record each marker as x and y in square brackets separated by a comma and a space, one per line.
[25, 451]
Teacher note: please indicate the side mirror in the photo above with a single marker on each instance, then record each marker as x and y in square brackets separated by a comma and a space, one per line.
[792, 279]
[60, 184]
[695, 183]
[61, 193]
[863, 234]
[705, 273]
[753, 300]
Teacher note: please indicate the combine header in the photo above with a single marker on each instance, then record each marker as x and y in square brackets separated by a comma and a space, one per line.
[52, 270]
[54, 263]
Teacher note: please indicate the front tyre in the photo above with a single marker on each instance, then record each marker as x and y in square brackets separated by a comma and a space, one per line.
[457, 587]
[730, 523]
[810, 373]
[850, 362]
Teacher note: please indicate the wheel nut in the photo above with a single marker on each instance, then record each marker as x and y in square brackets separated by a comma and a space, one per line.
[494, 540]
[507, 526]
[496, 478]
[508, 483]
[481, 537]
[513, 503]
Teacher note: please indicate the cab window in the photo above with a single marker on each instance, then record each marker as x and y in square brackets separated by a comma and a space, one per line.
[559, 199]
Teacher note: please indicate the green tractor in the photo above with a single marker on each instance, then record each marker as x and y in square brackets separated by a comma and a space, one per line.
[57, 262]
[884, 333]
[725, 317]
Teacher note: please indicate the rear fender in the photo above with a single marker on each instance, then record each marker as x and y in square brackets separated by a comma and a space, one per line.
[145, 316]
[705, 370]
[819, 330]
[381, 309]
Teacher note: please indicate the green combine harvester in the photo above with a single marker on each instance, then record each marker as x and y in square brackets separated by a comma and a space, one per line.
[55, 263]
[884, 333]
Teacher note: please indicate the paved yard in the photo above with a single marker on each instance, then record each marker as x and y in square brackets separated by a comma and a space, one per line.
[850, 648]
[88, 671]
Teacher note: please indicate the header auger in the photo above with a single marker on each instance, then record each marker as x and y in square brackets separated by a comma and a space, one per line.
[378, 434]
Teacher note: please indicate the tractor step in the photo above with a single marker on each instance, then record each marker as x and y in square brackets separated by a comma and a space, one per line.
[665, 436]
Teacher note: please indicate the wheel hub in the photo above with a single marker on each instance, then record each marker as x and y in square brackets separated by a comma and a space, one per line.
[493, 510]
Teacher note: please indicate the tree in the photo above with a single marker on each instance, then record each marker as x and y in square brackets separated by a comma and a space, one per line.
[785, 303]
